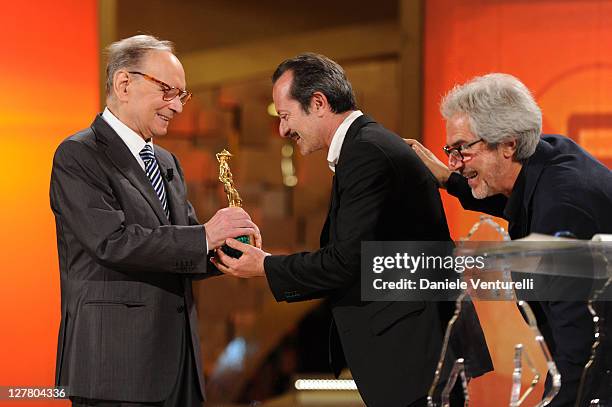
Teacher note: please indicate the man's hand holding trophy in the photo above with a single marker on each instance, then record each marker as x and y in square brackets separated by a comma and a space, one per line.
[240, 257]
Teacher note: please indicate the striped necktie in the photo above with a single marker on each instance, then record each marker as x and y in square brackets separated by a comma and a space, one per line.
[154, 174]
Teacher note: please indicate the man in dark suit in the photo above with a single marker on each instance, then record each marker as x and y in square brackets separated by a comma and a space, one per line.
[499, 164]
[381, 191]
[129, 243]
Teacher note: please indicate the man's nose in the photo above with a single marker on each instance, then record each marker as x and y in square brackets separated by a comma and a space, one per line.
[176, 105]
[283, 129]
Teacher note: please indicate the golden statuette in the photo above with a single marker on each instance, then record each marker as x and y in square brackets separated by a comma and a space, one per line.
[227, 179]
[233, 197]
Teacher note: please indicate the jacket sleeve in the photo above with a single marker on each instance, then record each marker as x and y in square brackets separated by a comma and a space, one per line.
[84, 202]
[363, 183]
[458, 187]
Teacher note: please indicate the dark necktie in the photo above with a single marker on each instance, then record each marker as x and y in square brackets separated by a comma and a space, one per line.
[154, 174]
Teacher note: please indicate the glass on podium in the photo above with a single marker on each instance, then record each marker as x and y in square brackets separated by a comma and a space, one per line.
[505, 293]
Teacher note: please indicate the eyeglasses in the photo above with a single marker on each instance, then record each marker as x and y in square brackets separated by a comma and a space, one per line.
[456, 152]
[170, 92]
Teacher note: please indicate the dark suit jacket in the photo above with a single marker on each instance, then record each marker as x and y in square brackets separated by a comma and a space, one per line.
[381, 191]
[125, 270]
[560, 188]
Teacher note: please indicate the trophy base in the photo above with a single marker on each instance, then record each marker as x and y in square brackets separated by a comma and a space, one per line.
[230, 251]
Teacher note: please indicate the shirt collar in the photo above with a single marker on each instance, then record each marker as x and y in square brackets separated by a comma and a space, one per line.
[131, 139]
[338, 139]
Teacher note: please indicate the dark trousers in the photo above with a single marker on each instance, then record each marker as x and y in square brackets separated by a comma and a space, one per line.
[568, 330]
[569, 339]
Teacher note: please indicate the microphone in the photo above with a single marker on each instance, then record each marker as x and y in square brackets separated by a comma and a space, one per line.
[169, 174]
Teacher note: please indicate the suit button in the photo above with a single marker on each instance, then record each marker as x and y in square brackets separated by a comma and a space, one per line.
[180, 309]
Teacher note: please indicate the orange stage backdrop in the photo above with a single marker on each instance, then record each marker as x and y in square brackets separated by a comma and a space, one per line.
[49, 79]
[561, 51]
[49, 82]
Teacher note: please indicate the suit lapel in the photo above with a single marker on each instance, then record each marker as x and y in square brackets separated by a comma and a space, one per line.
[329, 229]
[535, 166]
[120, 155]
[178, 214]
[325, 232]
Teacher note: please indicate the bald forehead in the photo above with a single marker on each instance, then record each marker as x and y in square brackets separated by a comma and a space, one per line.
[165, 66]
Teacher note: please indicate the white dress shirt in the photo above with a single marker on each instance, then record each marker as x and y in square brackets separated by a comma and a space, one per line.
[336, 145]
[131, 139]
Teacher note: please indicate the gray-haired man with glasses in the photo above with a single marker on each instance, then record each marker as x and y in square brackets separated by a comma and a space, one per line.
[129, 242]
[500, 163]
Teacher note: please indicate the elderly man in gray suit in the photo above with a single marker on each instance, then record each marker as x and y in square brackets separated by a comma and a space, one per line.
[129, 242]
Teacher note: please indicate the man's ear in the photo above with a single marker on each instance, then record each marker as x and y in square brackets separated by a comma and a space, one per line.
[318, 103]
[508, 148]
[121, 83]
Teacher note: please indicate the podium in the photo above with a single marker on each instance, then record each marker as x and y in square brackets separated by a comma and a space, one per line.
[550, 269]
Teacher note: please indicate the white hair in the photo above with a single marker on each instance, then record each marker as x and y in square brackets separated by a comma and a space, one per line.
[129, 52]
[499, 107]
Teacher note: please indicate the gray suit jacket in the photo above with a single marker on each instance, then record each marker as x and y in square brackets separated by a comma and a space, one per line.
[125, 270]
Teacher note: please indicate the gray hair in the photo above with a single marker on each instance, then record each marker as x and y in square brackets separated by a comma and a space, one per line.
[499, 108]
[129, 52]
